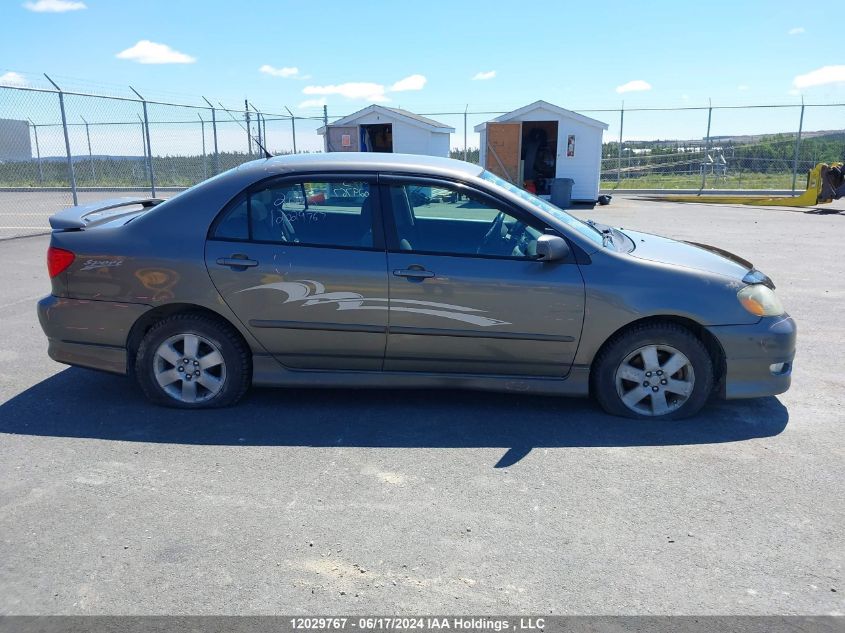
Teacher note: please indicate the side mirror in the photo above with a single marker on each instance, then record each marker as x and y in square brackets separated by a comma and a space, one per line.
[552, 248]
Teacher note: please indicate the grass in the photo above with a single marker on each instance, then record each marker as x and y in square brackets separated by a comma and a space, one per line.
[737, 180]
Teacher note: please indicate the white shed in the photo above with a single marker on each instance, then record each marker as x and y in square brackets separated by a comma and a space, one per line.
[541, 141]
[378, 128]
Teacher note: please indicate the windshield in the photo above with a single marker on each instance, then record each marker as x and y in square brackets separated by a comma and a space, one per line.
[572, 222]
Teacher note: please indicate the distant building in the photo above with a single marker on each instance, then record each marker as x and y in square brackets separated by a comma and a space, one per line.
[378, 128]
[15, 144]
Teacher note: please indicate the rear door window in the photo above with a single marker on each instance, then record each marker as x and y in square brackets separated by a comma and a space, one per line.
[311, 212]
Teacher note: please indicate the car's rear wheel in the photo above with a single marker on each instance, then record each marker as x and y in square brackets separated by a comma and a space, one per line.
[659, 371]
[192, 361]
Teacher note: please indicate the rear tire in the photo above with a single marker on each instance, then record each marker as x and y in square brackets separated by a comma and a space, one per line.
[192, 361]
[653, 371]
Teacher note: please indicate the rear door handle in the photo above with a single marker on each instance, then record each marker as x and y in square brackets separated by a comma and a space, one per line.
[413, 273]
[237, 261]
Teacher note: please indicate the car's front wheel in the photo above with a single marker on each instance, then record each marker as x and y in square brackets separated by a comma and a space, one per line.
[192, 361]
[657, 371]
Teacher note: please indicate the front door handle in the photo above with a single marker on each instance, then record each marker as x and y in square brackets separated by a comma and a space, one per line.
[413, 273]
[237, 261]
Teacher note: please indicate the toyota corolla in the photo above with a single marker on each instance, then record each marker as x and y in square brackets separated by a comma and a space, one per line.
[387, 270]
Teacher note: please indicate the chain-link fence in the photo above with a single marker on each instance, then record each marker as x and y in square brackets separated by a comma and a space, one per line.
[59, 148]
[62, 148]
[770, 147]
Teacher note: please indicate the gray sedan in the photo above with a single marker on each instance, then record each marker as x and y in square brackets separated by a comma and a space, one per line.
[387, 270]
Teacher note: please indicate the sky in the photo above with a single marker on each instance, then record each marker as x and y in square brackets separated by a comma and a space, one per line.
[443, 57]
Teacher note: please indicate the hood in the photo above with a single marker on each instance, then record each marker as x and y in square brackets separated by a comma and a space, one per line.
[688, 255]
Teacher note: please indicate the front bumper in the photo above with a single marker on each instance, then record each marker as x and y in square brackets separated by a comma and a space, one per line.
[753, 354]
[88, 333]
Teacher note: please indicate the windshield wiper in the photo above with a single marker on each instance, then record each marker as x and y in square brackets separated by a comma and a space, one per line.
[606, 234]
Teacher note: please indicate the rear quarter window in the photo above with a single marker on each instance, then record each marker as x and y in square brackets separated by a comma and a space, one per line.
[235, 222]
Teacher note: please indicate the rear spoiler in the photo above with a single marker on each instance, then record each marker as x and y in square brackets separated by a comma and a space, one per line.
[86, 215]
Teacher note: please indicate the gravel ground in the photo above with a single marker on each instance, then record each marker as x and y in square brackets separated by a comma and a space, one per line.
[304, 501]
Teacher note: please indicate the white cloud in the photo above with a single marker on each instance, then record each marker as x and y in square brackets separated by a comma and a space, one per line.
[742, 87]
[12, 79]
[411, 82]
[147, 52]
[821, 77]
[367, 90]
[484, 75]
[286, 71]
[313, 103]
[798, 30]
[351, 90]
[794, 92]
[638, 85]
[54, 6]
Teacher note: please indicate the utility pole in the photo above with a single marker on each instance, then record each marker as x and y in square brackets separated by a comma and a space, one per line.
[261, 140]
[326, 127]
[248, 135]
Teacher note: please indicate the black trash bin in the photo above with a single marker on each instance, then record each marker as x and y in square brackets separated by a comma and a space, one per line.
[561, 192]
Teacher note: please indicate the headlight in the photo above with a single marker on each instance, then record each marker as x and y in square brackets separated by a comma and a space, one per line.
[760, 300]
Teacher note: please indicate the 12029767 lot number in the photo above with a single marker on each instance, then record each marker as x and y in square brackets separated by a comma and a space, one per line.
[399, 623]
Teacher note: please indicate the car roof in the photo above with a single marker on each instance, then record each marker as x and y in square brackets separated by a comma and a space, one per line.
[358, 161]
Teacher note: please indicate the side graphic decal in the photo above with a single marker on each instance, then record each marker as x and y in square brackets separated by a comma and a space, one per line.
[311, 293]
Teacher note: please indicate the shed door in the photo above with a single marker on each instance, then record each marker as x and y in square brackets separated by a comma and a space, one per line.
[342, 138]
[503, 149]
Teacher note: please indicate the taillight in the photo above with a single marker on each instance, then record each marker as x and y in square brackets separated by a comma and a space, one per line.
[58, 259]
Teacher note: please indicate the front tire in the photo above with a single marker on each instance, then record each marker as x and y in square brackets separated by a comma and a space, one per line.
[657, 371]
[192, 361]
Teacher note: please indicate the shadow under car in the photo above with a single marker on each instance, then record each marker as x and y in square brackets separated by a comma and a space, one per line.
[86, 404]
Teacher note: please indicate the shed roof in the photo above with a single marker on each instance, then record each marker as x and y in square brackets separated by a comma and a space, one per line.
[394, 113]
[545, 105]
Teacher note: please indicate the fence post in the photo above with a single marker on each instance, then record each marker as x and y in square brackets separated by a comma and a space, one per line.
[71, 173]
[214, 132]
[204, 160]
[465, 135]
[797, 147]
[619, 159]
[37, 152]
[248, 133]
[292, 127]
[264, 126]
[706, 145]
[143, 145]
[90, 155]
[149, 145]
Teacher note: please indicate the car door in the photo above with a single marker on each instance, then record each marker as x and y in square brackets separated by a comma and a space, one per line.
[301, 262]
[467, 294]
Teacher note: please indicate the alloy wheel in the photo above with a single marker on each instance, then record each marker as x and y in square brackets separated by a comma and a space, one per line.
[189, 368]
[655, 380]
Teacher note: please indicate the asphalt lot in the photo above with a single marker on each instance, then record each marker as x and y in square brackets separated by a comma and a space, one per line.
[308, 501]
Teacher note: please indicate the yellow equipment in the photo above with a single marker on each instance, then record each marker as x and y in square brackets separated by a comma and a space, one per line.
[816, 193]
